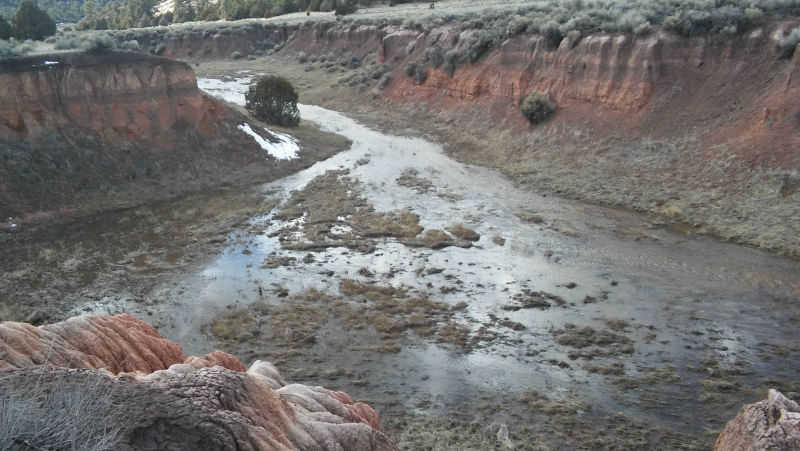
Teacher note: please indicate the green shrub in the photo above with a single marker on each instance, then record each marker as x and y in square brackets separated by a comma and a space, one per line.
[450, 62]
[98, 43]
[479, 43]
[384, 81]
[273, 100]
[434, 55]
[30, 22]
[67, 43]
[130, 46]
[345, 7]
[552, 35]
[787, 45]
[517, 25]
[411, 68]
[5, 28]
[537, 107]
[8, 50]
[420, 75]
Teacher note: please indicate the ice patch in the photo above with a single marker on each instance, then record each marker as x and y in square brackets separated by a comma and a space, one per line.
[48, 63]
[286, 149]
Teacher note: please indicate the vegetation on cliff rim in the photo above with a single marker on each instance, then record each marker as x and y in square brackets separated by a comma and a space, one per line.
[273, 100]
[5, 28]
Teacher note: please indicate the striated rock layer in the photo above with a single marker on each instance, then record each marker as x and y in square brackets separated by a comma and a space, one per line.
[144, 394]
[772, 424]
[661, 85]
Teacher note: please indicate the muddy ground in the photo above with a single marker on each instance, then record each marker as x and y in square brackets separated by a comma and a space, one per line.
[52, 265]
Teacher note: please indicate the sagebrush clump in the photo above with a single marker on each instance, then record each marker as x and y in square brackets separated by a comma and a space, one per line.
[537, 107]
[273, 100]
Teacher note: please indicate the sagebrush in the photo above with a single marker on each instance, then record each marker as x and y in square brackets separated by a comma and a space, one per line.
[537, 107]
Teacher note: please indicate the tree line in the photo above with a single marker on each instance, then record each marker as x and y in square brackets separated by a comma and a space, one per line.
[29, 22]
[141, 13]
[68, 11]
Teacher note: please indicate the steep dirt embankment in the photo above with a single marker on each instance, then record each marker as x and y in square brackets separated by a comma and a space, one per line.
[87, 131]
[141, 386]
[208, 42]
[733, 91]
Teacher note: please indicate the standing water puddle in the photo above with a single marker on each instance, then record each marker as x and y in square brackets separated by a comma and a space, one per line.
[677, 322]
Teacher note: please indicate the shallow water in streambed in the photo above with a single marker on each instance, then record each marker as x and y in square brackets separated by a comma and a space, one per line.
[591, 306]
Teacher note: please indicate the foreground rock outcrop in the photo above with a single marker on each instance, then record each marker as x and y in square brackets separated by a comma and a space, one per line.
[114, 383]
[772, 424]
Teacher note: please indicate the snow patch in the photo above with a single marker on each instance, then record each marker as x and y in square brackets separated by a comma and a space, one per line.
[50, 63]
[285, 149]
[228, 90]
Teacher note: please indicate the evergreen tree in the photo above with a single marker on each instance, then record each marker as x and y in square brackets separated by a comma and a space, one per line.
[30, 22]
[273, 100]
[5, 28]
[89, 9]
[232, 9]
[184, 11]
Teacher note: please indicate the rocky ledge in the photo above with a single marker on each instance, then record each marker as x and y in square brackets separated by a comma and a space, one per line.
[112, 382]
[771, 424]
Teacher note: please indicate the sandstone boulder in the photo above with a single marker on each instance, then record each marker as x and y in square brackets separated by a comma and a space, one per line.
[772, 424]
[112, 382]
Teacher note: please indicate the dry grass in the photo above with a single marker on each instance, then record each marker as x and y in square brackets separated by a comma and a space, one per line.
[462, 232]
[62, 414]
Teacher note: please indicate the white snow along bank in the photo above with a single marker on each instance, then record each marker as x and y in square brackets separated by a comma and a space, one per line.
[285, 149]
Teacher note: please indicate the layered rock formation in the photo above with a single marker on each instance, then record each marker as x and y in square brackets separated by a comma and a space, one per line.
[772, 424]
[144, 394]
[84, 131]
